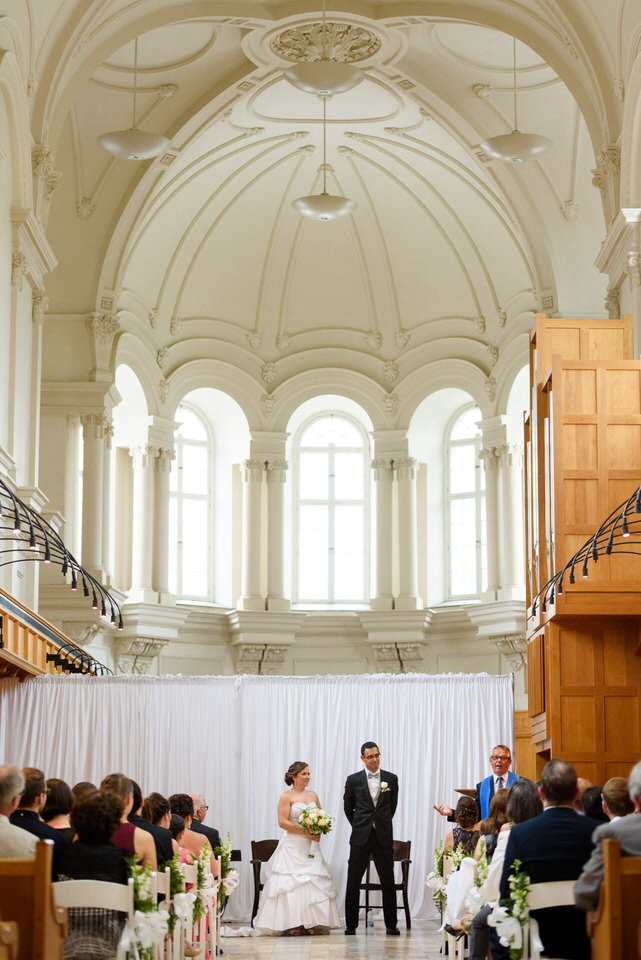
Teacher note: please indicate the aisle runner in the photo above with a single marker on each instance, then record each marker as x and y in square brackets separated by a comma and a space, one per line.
[232, 738]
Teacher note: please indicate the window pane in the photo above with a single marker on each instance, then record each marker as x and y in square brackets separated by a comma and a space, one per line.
[194, 469]
[465, 427]
[332, 429]
[313, 553]
[348, 554]
[194, 548]
[348, 476]
[191, 426]
[172, 559]
[313, 476]
[462, 468]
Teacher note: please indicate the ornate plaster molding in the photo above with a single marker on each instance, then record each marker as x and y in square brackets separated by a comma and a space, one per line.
[513, 648]
[137, 654]
[338, 41]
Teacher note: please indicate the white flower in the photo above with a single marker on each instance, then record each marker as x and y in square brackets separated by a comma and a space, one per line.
[384, 786]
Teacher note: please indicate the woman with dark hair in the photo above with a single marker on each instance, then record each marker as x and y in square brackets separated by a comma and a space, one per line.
[127, 835]
[299, 896]
[463, 835]
[592, 803]
[183, 805]
[156, 816]
[489, 828]
[94, 933]
[56, 809]
[523, 804]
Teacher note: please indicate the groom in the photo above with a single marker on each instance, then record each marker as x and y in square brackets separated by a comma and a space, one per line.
[370, 802]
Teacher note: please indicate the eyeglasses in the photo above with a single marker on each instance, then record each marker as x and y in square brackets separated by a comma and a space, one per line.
[505, 757]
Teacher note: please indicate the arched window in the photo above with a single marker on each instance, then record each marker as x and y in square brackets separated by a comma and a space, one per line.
[189, 510]
[465, 479]
[331, 457]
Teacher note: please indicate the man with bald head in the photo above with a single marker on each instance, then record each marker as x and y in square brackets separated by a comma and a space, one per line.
[197, 825]
[15, 844]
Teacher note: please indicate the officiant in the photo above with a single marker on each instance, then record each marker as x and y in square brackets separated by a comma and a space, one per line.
[501, 777]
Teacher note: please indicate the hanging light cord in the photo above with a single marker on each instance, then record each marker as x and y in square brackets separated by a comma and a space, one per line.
[133, 125]
[324, 145]
[324, 55]
[516, 127]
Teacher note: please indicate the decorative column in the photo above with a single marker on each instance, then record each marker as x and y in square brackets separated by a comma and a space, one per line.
[252, 496]
[383, 475]
[407, 556]
[490, 457]
[276, 474]
[142, 540]
[92, 490]
[108, 432]
[160, 571]
[512, 559]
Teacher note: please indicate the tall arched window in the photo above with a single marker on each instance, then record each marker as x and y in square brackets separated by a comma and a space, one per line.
[466, 536]
[331, 513]
[189, 511]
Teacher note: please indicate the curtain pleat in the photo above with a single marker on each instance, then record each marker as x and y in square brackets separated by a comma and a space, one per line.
[232, 738]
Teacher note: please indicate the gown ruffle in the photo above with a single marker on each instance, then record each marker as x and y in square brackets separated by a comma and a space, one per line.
[299, 889]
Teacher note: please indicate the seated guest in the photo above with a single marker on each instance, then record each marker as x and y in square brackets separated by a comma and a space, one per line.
[27, 814]
[15, 844]
[92, 932]
[582, 785]
[182, 804]
[592, 804]
[177, 828]
[156, 814]
[616, 799]
[523, 804]
[489, 828]
[82, 788]
[554, 846]
[56, 810]
[463, 834]
[197, 824]
[128, 836]
[627, 830]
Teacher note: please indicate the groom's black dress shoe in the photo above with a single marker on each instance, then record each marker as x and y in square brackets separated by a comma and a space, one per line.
[393, 932]
[350, 932]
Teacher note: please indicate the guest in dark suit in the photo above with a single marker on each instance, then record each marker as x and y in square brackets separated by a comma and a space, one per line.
[197, 825]
[27, 815]
[627, 830]
[554, 846]
[370, 800]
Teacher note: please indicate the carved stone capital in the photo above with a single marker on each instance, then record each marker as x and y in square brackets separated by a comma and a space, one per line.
[137, 654]
[277, 471]
[19, 268]
[104, 327]
[163, 459]
[93, 426]
[491, 457]
[254, 471]
[383, 468]
[39, 305]
[511, 455]
[406, 468]
[513, 647]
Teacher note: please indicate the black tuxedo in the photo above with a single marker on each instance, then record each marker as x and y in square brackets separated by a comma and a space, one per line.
[554, 846]
[210, 832]
[371, 833]
[162, 837]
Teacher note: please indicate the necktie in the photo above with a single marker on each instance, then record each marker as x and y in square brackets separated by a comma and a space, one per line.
[499, 783]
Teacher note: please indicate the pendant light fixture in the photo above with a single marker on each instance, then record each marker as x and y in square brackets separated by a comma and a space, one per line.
[515, 147]
[324, 206]
[324, 77]
[133, 144]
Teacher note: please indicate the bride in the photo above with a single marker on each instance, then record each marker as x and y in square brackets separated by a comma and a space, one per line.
[299, 896]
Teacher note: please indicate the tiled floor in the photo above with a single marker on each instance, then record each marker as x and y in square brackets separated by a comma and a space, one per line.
[422, 942]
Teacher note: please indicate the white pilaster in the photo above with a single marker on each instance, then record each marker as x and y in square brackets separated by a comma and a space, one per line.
[142, 541]
[383, 475]
[252, 502]
[276, 474]
[408, 598]
[92, 493]
[160, 569]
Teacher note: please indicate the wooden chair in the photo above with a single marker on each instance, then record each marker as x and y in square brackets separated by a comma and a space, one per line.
[262, 851]
[401, 855]
[613, 926]
[27, 901]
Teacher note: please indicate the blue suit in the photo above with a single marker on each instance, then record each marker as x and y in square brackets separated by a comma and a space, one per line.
[485, 791]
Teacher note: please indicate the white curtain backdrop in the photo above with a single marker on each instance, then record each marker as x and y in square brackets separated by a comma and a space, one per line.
[232, 738]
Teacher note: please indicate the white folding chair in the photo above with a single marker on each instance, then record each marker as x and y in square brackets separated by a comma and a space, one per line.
[196, 938]
[552, 893]
[161, 884]
[95, 895]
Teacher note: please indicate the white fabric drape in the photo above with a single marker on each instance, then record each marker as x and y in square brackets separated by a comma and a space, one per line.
[232, 738]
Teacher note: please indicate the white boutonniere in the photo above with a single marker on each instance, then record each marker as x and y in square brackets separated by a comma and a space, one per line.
[384, 786]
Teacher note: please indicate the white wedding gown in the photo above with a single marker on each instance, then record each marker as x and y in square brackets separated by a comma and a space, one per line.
[299, 889]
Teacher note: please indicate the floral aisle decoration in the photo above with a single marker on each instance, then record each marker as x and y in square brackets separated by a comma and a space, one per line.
[316, 822]
[436, 880]
[475, 899]
[511, 917]
[147, 928]
[204, 885]
[182, 904]
[228, 876]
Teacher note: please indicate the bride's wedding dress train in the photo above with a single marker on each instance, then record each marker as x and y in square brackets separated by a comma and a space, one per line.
[299, 889]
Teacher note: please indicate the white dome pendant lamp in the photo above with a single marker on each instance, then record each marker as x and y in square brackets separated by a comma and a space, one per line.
[133, 144]
[516, 147]
[324, 77]
[324, 206]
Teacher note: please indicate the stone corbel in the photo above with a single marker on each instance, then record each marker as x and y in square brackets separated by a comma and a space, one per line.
[137, 654]
[104, 327]
[513, 648]
[249, 658]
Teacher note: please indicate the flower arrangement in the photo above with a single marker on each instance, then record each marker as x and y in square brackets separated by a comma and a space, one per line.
[202, 866]
[512, 915]
[436, 881]
[181, 904]
[228, 876]
[316, 822]
[457, 856]
[148, 926]
[482, 866]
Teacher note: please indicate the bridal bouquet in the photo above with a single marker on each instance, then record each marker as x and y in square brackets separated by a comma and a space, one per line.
[316, 822]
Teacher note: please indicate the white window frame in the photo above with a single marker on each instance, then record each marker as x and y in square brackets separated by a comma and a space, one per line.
[478, 493]
[331, 603]
[207, 498]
